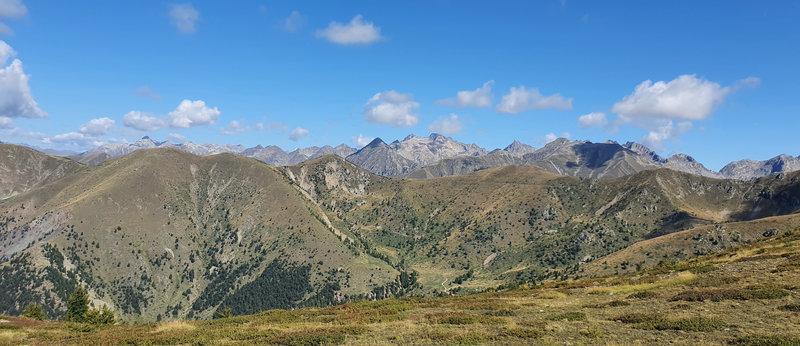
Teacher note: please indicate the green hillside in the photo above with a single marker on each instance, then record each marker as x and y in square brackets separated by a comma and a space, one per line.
[162, 234]
[748, 295]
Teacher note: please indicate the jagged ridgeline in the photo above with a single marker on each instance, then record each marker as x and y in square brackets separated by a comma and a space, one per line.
[165, 234]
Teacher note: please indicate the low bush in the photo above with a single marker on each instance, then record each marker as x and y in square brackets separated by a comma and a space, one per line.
[523, 333]
[636, 317]
[768, 340]
[643, 295]
[569, 316]
[791, 307]
[613, 303]
[720, 294]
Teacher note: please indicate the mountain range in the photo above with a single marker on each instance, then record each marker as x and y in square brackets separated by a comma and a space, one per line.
[438, 156]
[162, 233]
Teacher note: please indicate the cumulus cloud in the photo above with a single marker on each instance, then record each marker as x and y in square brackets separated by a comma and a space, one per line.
[656, 106]
[6, 123]
[16, 99]
[294, 22]
[275, 125]
[77, 140]
[12, 9]
[143, 121]
[144, 91]
[481, 97]
[6, 52]
[361, 141]
[392, 107]
[552, 136]
[664, 131]
[686, 97]
[97, 127]
[193, 113]
[184, 16]
[176, 138]
[522, 99]
[358, 31]
[188, 114]
[594, 119]
[298, 133]
[234, 127]
[447, 125]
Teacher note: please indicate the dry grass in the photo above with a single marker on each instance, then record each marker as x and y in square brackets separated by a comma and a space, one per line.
[757, 307]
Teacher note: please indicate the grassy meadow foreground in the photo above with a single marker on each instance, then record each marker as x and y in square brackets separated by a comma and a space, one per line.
[748, 295]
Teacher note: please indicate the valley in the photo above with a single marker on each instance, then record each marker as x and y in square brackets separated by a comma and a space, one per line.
[162, 234]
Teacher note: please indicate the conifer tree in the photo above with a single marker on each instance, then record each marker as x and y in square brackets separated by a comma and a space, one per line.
[77, 306]
[34, 311]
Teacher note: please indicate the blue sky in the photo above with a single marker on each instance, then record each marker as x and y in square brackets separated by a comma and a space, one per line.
[714, 79]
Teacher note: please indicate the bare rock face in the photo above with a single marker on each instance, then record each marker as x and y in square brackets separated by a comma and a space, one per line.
[750, 169]
[272, 154]
[519, 149]
[466, 164]
[425, 150]
[437, 155]
[379, 158]
[686, 163]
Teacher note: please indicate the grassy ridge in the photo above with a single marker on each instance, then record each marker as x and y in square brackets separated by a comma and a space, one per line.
[748, 295]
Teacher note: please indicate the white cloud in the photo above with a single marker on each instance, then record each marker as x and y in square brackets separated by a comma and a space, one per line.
[97, 127]
[241, 126]
[6, 52]
[447, 125]
[294, 22]
[298, 133]
[275, 125]
[6, 123]
[16, 99]
[69, 136]
[552, 136]
[193, 113]
[77, 140]
[481, 97]
[391, 107]
[654, 106]
[594, 119]
[358, 31]
[665, 131]
[184, 17]
[749, 82]
[176, 138]
[234, 127]
[145, 92]
[361, 141]
[686, 97]
[143, 121]
[12, 8]
[522, 99]
[5, 30]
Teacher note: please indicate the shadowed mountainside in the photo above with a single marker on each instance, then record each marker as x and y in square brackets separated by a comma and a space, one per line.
[164, 234]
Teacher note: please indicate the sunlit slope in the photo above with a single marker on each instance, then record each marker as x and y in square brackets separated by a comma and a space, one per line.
[165, 232]
[746, 295]
[524, 223]
[23, 169]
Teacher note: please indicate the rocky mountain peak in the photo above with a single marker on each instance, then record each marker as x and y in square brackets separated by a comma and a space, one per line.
[518, 148]
[376, 143]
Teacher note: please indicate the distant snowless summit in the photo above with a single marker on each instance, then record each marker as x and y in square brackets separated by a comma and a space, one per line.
[437, 156]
